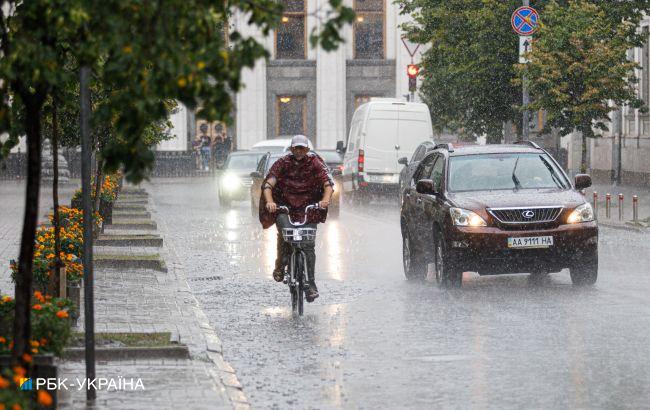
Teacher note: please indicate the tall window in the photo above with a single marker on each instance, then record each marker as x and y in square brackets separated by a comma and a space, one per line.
[369, 29]
[290, 35]
[291, 113]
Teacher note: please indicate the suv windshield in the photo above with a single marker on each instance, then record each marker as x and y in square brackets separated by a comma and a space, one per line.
[486, 172]
[245, 162]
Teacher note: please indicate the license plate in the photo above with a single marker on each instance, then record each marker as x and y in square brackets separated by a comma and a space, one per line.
[385, 179]
[530, 242]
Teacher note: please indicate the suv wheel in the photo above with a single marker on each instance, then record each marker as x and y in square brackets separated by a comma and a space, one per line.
[446, 275]
[585, 272]
[414, 266]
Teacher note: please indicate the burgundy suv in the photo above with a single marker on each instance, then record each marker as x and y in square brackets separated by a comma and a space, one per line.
[496, 209]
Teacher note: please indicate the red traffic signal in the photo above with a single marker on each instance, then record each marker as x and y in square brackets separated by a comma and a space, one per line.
[412, 70]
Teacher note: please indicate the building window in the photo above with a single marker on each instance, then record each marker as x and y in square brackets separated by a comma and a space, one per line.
[291, 115]
[369, 29]
[290, 37]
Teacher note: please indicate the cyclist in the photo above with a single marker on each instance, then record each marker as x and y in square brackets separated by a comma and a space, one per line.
[296, 180]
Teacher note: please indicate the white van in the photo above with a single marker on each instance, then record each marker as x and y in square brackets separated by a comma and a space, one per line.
[382, 131]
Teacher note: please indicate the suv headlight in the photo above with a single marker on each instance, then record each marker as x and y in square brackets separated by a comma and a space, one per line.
[463, 217]
[230, 182]
[583, 213]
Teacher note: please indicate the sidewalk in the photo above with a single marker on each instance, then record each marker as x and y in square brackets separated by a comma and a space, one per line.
[627, 191]
[137, 300]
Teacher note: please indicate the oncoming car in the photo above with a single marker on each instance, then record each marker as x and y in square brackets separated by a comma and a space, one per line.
[497, 209]
[235, 181]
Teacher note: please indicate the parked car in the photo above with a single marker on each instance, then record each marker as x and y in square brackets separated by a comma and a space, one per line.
[497, 209]
[262, 170]
[381, 132]
[406, 174]
[234, 180]
[275, 145]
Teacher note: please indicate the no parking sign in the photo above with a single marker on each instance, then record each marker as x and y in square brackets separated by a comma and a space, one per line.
[525, 21]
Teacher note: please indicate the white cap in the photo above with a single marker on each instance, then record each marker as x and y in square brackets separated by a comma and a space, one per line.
[299, 141]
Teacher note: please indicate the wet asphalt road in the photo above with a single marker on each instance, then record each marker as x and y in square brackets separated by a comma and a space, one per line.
[374, 340]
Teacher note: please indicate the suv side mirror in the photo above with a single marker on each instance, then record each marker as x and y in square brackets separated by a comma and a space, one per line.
[340, 147]
[582, 181]
[426, 186]
[403, 161]
[256, 174]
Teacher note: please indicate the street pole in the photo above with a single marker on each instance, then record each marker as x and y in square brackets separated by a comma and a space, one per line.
[86, 162]
[525, 100]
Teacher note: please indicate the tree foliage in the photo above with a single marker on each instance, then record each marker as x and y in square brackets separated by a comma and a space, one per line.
[579, 65]
[470, 65]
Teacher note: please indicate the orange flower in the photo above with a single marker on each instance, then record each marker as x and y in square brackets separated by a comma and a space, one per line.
[43, 341]
[3, 340]
[27, 358]
[62, 314]
[6, 299]
[34, 343]
[37, 307]
[39, 296]
[44, 398]
[16, 407]
[4, 383]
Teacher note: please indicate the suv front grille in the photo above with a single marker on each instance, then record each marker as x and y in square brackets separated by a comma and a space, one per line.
[535, 214]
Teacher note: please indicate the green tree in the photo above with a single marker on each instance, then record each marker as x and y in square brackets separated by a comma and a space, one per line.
[468, 67]
[145, 53]
[579, 65]
[473, 52]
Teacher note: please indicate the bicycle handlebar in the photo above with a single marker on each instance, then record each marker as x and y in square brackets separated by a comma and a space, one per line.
[307, 208]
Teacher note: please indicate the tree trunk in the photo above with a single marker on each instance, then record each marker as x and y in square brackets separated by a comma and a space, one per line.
[587, 132]
[494, 134]
[23, 287]
[99, 181]
[55, 201]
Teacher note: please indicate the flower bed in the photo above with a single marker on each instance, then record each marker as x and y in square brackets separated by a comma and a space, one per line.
[71, 245]
[50, 334]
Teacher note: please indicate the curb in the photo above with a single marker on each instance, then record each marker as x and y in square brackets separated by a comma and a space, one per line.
[623, 227]
[123, 353]
[155, 262]
[227, 375]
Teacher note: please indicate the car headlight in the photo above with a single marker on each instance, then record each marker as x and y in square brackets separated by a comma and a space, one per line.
[230, 182]
[463, 217]
[583, 213]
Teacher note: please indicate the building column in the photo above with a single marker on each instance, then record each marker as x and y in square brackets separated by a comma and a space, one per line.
[331, 122]
[251, 99]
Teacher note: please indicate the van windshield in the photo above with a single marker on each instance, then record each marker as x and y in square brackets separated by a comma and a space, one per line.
[504, 171]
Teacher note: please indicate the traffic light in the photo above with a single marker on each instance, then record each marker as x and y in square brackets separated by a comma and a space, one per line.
[412, 71]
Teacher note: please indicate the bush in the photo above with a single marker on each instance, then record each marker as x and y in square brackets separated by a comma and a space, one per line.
[49, 320]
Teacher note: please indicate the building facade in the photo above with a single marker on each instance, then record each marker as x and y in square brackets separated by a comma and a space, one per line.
[306, 90]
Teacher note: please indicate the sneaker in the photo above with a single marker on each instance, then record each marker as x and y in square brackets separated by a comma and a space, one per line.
[278, 275]
[311, 293]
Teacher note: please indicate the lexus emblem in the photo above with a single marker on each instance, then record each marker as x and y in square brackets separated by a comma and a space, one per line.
[528, 214]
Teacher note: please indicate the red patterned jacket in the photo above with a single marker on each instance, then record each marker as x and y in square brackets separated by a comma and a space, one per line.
[299, 183]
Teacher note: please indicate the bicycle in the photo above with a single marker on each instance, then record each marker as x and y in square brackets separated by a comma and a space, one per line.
[297, 275]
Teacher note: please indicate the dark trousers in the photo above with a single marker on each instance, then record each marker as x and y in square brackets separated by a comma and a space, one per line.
[284, 248]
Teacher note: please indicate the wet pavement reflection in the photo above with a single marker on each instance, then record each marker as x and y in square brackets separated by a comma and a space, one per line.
[374, 340]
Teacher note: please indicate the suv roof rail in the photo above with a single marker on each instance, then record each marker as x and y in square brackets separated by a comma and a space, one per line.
[530, 143]
[448, 146]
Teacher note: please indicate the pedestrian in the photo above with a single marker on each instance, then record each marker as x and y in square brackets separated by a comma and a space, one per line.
[206, 143]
